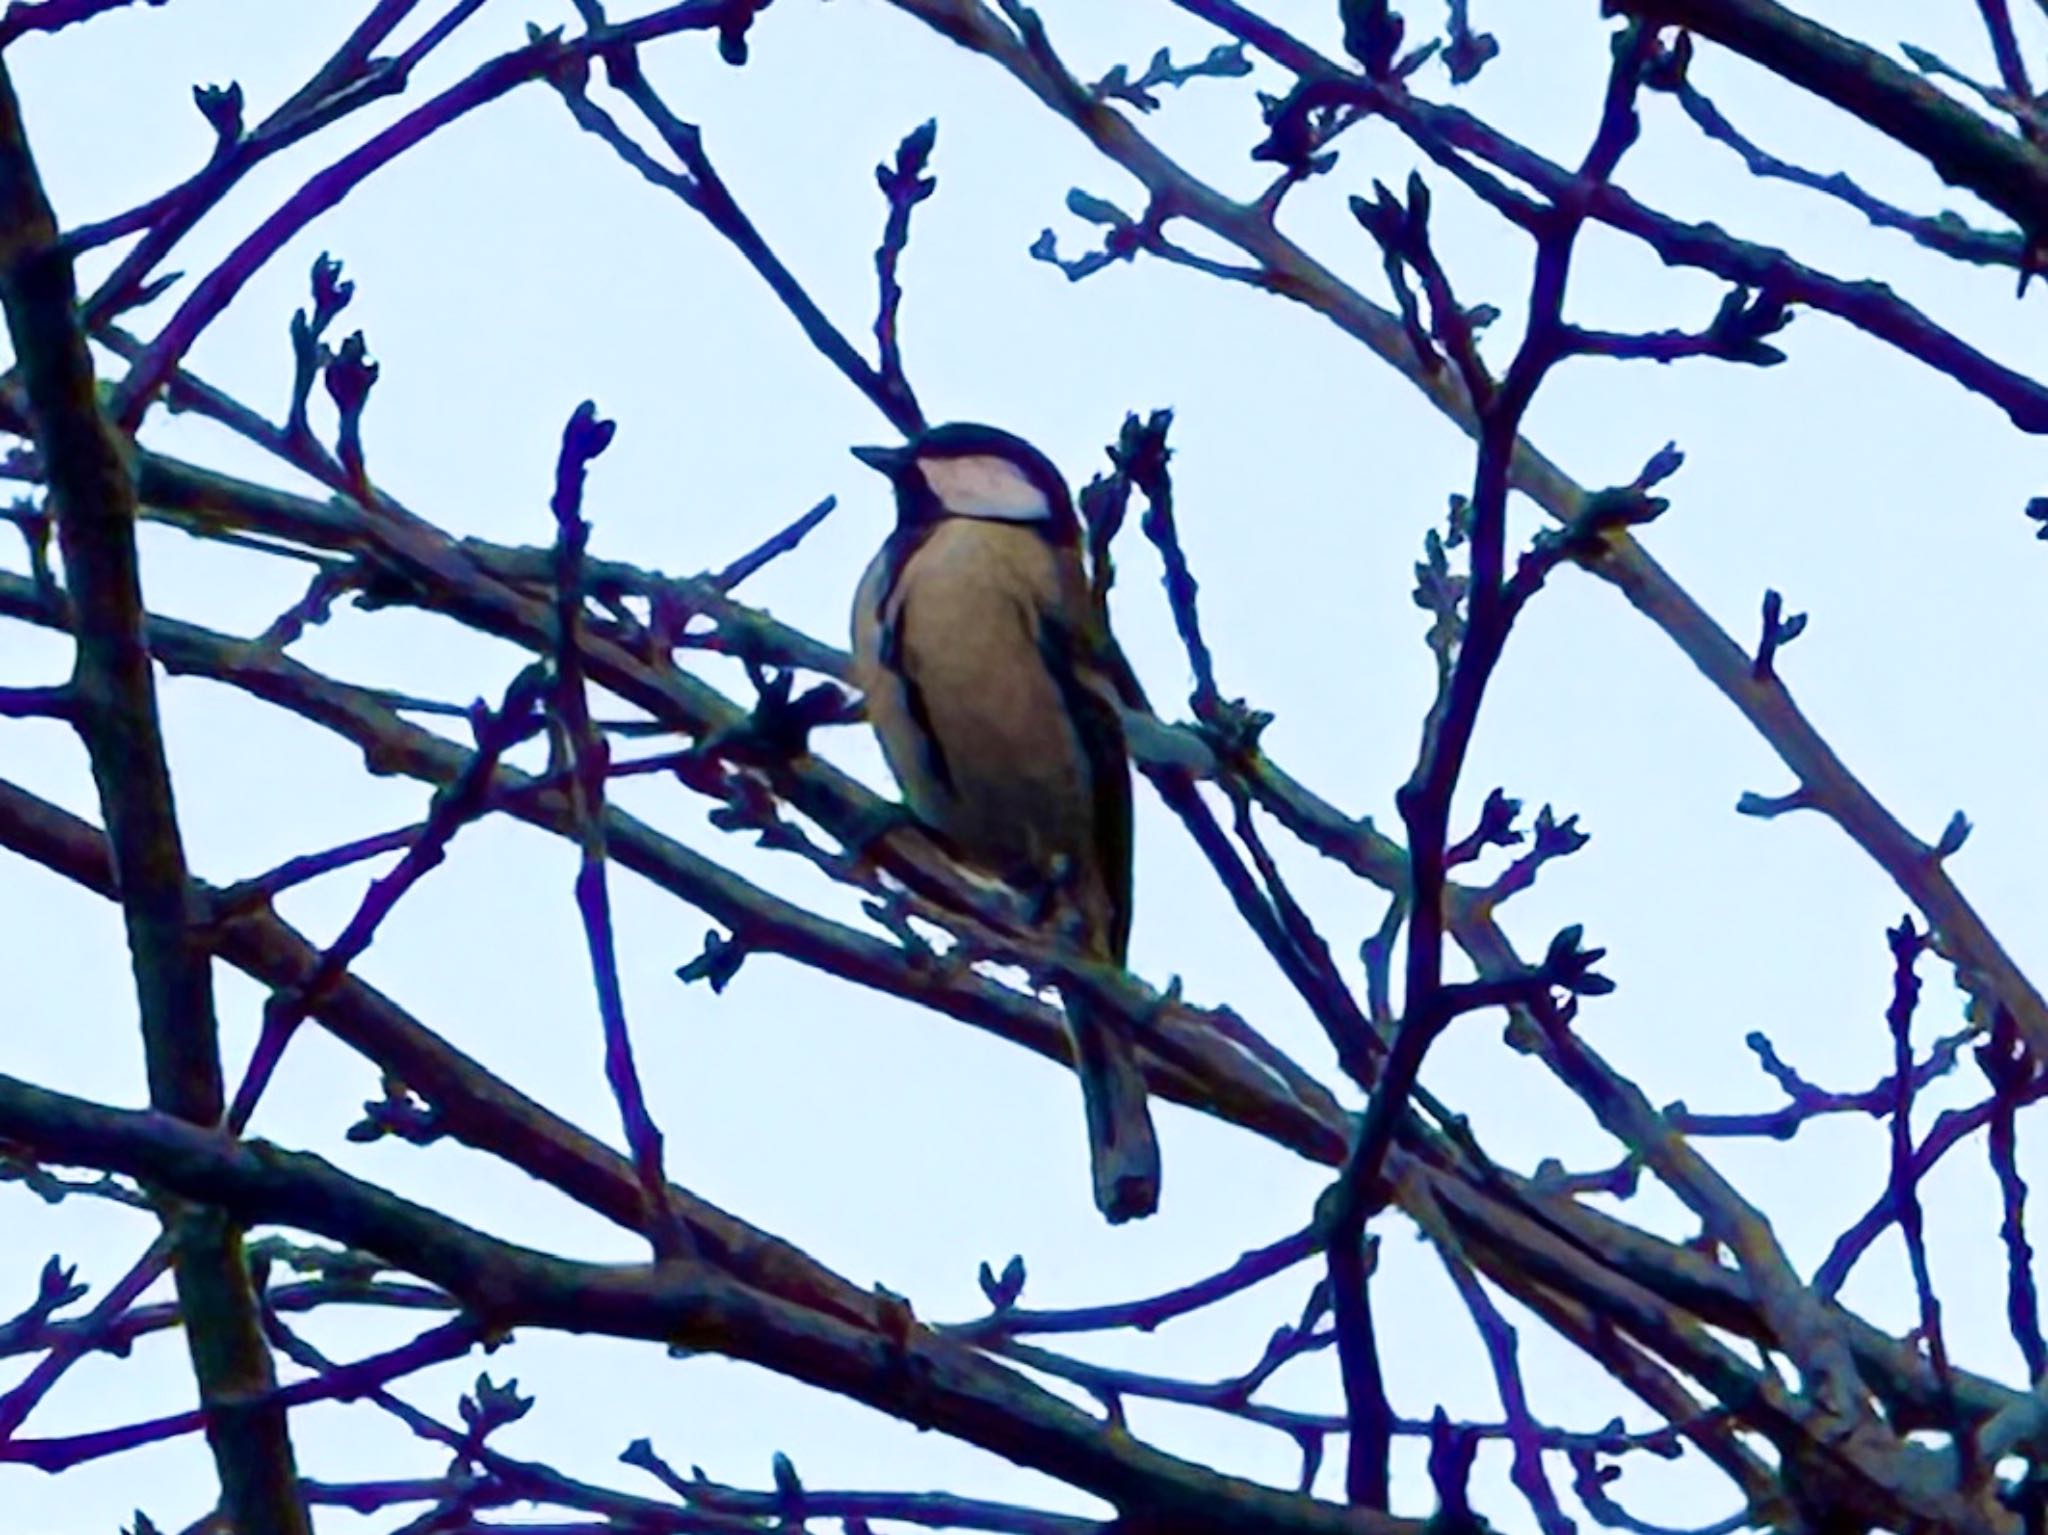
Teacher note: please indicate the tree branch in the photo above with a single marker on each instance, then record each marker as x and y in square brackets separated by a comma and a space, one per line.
[93, 491]
[1962, 147]
[901, 1367]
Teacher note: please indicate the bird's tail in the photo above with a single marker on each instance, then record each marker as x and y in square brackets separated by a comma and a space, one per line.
[1122, 1150]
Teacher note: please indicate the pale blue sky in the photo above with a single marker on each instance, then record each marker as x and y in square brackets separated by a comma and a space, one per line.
[512, 267]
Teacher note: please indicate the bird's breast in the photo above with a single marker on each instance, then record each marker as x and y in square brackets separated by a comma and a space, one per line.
[971, 714]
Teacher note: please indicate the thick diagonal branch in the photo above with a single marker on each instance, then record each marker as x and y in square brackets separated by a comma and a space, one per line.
[92, 489]
[901, 1367]
[1965, 149]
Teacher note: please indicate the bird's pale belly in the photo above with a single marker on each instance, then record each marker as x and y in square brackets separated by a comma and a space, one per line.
[1013, 793]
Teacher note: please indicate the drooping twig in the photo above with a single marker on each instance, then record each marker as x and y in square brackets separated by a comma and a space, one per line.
[1949, 235]
[2005, 1065]
[583, 748]
[496, 732]
[1524, 1435]
[1963, 148]
[1906, 942]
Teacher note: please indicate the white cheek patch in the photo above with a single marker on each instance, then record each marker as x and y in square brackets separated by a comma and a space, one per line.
[985, 485]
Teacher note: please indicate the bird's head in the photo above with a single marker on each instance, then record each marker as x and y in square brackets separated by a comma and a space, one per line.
[966, 470]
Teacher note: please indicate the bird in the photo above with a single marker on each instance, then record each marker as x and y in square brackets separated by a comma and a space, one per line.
[981, 650]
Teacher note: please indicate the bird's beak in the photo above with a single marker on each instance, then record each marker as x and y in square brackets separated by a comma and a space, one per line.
[890, 461]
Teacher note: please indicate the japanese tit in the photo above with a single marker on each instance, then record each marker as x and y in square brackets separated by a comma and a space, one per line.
[979, 646]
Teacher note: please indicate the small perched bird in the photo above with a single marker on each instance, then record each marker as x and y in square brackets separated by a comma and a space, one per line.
[979, 646]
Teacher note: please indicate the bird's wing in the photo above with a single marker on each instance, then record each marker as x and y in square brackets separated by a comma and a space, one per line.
[896, 706]
[1072, 658]
[1122, 1145]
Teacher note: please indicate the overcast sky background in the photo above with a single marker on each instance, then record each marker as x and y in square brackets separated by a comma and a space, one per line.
[512, 267]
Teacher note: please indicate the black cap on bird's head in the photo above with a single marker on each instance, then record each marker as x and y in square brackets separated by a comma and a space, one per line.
[964, 469]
